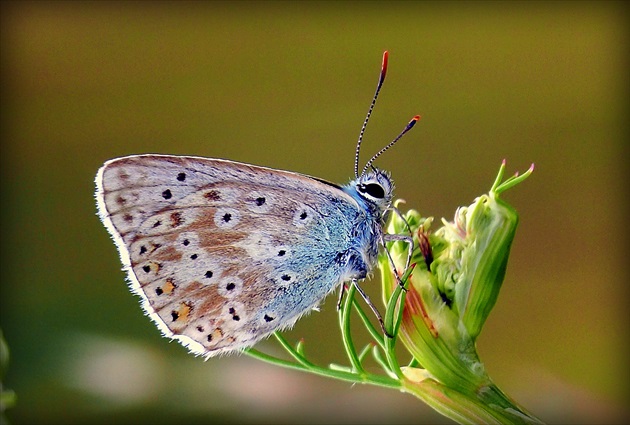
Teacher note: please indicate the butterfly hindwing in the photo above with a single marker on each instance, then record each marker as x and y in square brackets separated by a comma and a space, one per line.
[224, 253]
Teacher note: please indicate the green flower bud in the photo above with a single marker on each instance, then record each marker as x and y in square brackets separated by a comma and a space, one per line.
[459, 270]
[471, 258]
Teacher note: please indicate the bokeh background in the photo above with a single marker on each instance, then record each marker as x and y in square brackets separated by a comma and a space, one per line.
[286, 85]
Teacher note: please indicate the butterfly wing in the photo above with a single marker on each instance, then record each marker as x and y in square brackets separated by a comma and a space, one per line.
[224, 253]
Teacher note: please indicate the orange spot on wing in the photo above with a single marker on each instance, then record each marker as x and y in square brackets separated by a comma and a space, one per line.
[168, 287]
[217, 333]
[183, 311]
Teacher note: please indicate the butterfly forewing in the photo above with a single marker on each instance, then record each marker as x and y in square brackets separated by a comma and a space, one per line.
[224, 253]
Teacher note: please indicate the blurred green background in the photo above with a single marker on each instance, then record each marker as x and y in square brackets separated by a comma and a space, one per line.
[286, 85]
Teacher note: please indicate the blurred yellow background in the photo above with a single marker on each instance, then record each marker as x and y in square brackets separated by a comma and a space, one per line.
[286, 85]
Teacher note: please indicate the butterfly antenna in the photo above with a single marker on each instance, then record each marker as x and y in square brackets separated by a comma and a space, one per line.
[413, 122]
[381, 78]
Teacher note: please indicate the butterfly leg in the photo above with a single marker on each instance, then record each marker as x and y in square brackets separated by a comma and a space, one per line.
[401, 238]
[399, 214]
[423, 237]
[372, 307]
[342, 291]
[368, 301]
[398, 238]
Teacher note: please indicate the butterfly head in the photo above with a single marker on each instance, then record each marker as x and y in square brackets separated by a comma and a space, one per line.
[375, 188]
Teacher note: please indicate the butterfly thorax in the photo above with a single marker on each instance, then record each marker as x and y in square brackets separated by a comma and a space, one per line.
[373, 191]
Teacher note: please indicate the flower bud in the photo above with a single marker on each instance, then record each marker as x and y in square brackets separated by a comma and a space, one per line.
[459, 270]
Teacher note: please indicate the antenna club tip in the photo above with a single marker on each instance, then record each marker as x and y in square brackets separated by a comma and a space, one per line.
[413, 122]
[384, 65]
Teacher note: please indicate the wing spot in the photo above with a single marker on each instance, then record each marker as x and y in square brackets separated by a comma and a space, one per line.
[230, 287]
[182, 312]
[260, 201]
[143, 249]
[268, 318]
[226, 218]
[235, 316]
[157, 223]
[181, 177]
[167, 194]
[216, 334]
[151, 266]
[176, 219]
[286, 277]
[212, 195]
[186, 242]
[281, 253]
[128, 218]
[303, 215]
[168, 287]
[208, 274]
[194, 257]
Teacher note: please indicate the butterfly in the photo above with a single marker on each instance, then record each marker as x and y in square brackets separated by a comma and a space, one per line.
[224, 253]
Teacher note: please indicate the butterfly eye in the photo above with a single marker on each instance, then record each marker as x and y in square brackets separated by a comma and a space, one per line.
[372, 189]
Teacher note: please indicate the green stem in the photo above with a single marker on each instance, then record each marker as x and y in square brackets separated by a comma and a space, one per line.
[346, 335]
[367, 378]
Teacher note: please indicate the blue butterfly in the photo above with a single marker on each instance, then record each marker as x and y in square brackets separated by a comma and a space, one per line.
[224, 253]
